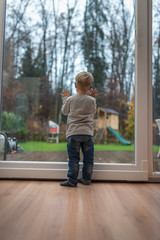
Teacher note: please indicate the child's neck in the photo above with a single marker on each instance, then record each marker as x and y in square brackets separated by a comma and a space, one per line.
[81, 92]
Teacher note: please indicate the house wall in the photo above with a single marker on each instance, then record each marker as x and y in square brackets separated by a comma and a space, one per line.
[106, 120]
[113, 121]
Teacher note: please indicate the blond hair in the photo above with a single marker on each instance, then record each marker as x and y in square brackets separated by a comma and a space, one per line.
[84, 80]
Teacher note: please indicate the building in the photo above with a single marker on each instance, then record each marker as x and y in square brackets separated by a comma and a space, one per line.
[106, 117]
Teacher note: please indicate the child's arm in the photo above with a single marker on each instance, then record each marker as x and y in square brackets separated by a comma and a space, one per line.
[93, 93]
[65, 107]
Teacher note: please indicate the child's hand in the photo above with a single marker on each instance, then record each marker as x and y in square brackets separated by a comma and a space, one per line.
[93, 93]
[66, 93]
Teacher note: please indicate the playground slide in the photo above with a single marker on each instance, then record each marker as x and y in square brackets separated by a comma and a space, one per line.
[118, 136]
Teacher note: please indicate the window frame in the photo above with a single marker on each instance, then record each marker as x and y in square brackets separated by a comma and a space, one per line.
[142, 169]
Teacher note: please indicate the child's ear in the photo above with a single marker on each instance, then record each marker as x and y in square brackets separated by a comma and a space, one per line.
[75, 85]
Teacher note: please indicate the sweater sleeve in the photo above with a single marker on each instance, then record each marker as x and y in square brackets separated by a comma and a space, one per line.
[65, 106]
[94, 107]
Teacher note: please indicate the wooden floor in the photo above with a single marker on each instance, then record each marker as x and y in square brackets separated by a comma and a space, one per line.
[43, 210]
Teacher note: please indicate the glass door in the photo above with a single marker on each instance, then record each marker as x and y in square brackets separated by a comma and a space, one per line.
[43, 52]
[41, 59]
[156, 84]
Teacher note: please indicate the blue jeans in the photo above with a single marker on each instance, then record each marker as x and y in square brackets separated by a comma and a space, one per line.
[74, 144]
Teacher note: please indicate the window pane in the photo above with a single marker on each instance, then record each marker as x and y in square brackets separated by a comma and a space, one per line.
[156, 84]
[43, 53]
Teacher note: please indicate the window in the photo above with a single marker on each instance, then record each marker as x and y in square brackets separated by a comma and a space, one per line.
[156, 84]
[40, 86]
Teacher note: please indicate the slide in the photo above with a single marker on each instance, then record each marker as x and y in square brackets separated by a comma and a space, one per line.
[118, 136]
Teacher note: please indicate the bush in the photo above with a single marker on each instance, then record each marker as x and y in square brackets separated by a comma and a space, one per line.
[12, 122]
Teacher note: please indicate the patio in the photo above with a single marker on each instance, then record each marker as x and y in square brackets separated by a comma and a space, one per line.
[61, 156]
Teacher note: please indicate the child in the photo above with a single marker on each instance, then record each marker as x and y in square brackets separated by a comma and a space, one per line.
[80, 109]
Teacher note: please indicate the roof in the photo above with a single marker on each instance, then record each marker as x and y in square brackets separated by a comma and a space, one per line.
[109, 111]
[52, 124]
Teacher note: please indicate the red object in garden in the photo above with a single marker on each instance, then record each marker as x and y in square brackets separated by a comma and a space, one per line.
[53, 130]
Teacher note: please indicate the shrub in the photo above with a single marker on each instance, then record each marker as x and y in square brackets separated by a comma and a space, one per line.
[12, 122]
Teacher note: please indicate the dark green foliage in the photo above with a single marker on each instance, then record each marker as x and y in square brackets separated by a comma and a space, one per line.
[27, 69]
[40, 63]
[12, 122]
[33, 66]
[93, 41]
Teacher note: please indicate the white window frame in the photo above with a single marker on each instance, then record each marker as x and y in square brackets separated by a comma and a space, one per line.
[142, 170]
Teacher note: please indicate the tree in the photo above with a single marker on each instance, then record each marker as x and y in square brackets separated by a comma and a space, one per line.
[121, 45]
[15, 36]
[130, 121]
[16, 31]
[70, 12]
[93, 39]
[27, 69]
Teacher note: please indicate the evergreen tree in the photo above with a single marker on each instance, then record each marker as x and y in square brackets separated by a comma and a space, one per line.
[27, 69]
[93, 41]
[130, 121]
[33, 66]
[40, 63]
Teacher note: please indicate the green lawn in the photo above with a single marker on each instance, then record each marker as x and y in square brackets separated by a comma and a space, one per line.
[44, 146]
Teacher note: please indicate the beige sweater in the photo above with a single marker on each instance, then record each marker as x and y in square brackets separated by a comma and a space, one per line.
[80, 110]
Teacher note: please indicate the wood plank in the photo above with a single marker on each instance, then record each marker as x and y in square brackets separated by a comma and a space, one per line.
[61, 156]
[99, 156]
[45, 210]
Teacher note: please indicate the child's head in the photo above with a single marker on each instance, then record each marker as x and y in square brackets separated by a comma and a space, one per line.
[84, 80]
